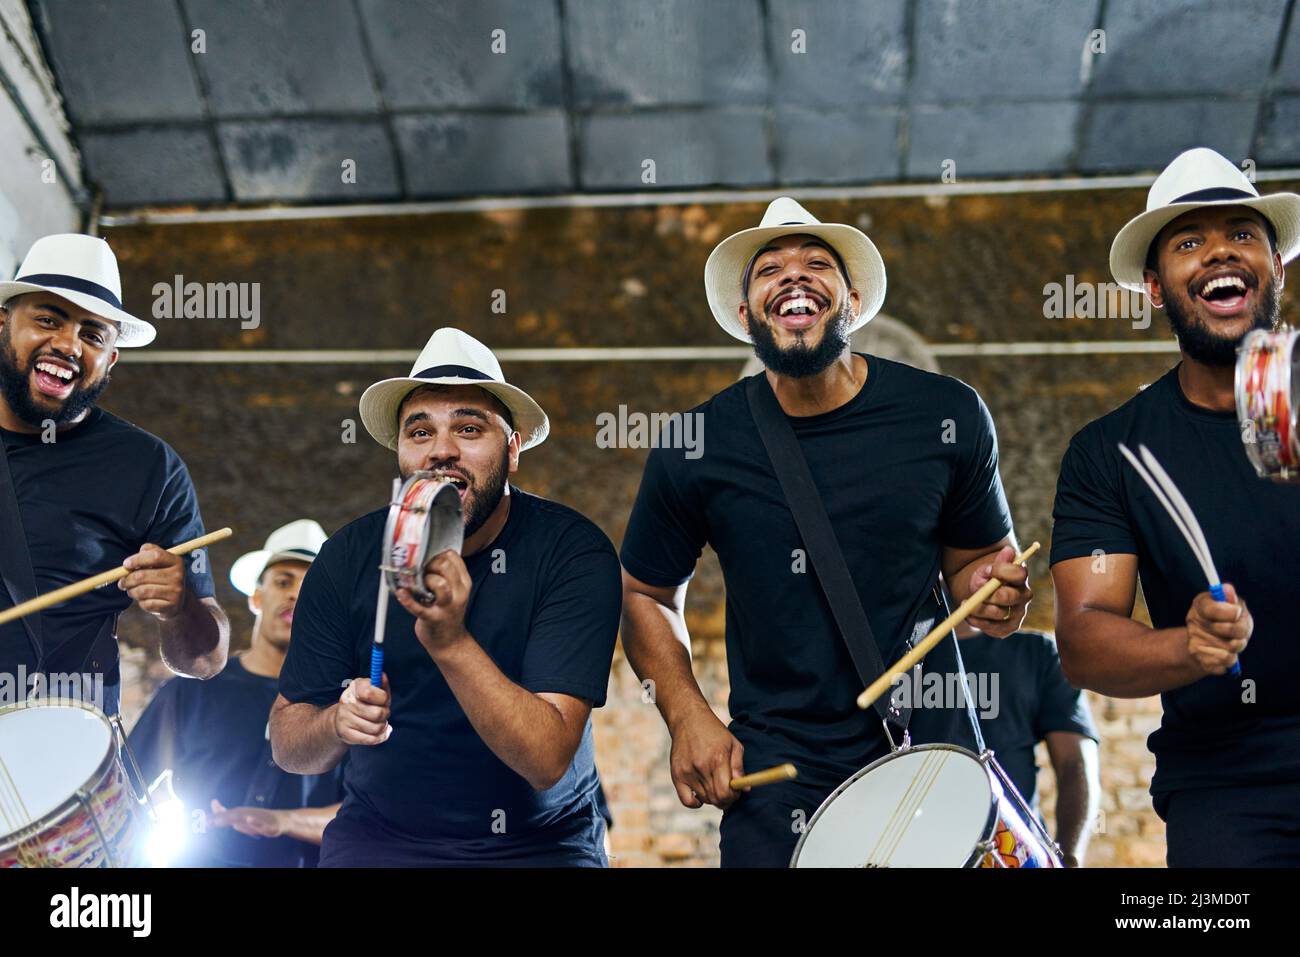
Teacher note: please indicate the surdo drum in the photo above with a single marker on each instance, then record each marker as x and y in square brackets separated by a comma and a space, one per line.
[1268, 396]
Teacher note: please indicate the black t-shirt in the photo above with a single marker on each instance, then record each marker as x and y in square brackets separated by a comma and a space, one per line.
[1220, 730]
[1030, 698]
[88, 501]
[214, 735]
[905, 467]
[545, 608]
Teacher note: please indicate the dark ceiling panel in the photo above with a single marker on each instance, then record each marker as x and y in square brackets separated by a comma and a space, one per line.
[120, 61]
[999, 49]
[441, 55]
[1188, 46]
[282, 57]
[155, 165]
[845, 53]
[669, 53]
[461, 153]
[302, 160]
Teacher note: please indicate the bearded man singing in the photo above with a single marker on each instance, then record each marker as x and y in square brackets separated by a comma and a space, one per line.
[477, 748]
[906, 465]
[1209, 250]
[82, 491]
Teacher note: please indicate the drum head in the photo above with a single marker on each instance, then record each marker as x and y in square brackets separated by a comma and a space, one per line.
[49, 751]
[928, 806]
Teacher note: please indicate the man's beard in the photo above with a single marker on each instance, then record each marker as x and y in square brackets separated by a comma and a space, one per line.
[15, 386]
[800, 360]
[479, 506]
[1200, 342]
[482, 500]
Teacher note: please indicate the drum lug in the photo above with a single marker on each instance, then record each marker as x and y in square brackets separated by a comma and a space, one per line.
[896, 748]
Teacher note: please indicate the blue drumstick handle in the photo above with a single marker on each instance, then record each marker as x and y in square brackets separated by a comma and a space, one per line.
[1220, 595]
[377, 665]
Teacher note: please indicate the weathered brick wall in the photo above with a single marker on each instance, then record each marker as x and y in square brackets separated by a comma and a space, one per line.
[263, 441]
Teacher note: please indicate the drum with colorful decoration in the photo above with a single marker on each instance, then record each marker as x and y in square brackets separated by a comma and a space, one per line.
[65, 800]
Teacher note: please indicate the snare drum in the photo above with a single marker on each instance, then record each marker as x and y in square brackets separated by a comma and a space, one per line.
[932, 805]
[1267, 388]
[424, 520]
[65, 799]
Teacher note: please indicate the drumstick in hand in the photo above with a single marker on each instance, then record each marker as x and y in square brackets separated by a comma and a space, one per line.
[782, 772]
[881, 684]
[60, 595]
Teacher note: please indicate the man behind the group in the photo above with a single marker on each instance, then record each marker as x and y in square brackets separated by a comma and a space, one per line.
[906, 464]
[477, 749]
[214, 735]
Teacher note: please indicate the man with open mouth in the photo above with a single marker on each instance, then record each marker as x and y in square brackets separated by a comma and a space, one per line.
[85, 491]
[477, 748]
[212, 735]
[905, 463]
[1209, 250]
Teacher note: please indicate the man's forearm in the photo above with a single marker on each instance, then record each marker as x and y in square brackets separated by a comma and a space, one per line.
[1075, 809]
[658, 648]
[524, 730]
[196, 641]
[1116, 656]
[309, 823]
[303, 739]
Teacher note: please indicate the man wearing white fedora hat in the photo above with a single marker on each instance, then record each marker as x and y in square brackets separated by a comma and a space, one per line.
[477, 749]
[82, 490]
[1209, 250]
[902, 462]
[213, 735]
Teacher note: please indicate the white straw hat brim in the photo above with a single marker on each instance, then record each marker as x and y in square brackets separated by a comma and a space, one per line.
[381, 403]
[132, 332]
[722, 271]
[1128, 253]
[248, 568]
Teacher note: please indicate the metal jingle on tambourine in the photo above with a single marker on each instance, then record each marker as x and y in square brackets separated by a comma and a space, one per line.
[1267, 392]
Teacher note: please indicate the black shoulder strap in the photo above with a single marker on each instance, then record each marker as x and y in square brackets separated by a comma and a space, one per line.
[819, 538]
[15, 560]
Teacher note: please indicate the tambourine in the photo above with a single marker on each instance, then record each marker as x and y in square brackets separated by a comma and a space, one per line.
[424, 519]
[1267, 388]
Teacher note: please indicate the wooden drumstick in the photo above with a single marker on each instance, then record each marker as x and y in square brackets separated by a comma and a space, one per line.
[883, 683]
[782, 772]
[103, 578]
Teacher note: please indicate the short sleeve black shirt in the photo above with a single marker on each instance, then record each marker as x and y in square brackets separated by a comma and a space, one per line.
[546, 603]
[906, 467]
[1220, 730]
[87, 501]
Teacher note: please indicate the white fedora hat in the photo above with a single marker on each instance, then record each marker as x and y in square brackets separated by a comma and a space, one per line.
[451, 357]
[299, 541]
[723, 273]
[83, 270]
[1198, 177]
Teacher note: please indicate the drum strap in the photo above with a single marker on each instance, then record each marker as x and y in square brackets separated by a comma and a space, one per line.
[16, 563]
[819, 538]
